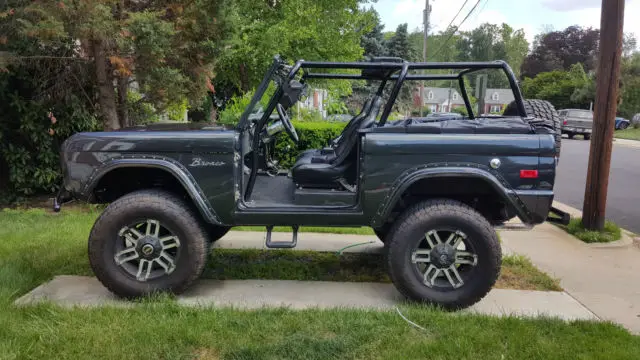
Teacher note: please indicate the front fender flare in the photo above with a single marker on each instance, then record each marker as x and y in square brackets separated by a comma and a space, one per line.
[173, 167]
[411, 176]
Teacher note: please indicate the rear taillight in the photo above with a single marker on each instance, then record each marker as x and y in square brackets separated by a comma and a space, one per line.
[528, 174]
[564, 122]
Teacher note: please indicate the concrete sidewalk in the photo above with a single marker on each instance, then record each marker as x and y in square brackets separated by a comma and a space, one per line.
[604, 279]
[599, 282]
[85, 291]
[626, 142]
[306, 241]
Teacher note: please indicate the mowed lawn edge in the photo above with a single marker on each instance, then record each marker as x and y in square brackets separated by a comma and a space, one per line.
[35, 246]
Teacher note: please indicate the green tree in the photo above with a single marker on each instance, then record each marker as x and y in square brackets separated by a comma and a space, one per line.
[561, 88]
[398, 45]
[372, 42]
[630, 82]
[166, 49]
[304, 29]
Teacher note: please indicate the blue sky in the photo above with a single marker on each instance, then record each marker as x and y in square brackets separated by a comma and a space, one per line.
[533, 16]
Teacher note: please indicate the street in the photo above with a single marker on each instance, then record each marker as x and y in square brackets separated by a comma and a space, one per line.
[623, 200]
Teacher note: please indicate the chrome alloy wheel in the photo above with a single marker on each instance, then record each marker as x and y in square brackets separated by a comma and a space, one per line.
[444, 264]
[147, 250]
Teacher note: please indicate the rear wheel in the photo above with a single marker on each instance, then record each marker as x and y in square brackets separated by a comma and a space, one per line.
[443, 252]
[570, 135]
[544, 114]
[587, 136]
[145, 242]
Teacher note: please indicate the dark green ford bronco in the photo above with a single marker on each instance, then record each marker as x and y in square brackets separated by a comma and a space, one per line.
[433, 188]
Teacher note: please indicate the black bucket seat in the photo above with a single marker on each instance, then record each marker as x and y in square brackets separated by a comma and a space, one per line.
[328, 170]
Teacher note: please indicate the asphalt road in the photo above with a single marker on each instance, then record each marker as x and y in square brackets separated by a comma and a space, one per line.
[623, 198]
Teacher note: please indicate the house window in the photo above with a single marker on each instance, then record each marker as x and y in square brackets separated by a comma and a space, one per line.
[430, 95]
[495, 96]
[455, 96]
[495, 109]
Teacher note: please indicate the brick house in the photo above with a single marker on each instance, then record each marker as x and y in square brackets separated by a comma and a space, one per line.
[437, 99]
[495, 100]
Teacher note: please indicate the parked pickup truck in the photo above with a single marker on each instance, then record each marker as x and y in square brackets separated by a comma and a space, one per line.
[433, 189]
[576, 122]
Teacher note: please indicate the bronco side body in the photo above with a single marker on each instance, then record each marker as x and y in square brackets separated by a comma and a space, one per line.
[433, 189]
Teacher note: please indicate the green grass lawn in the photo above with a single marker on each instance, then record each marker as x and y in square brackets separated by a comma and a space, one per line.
[610, 233]
[35, 246]
[631, 134]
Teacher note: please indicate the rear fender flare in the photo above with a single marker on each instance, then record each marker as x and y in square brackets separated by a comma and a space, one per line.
[169, 165]
[411, 176]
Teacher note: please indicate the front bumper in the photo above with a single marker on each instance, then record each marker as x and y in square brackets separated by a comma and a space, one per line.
[62, 197]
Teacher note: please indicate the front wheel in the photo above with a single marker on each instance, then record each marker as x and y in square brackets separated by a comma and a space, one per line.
[145, 242]
[443, 252]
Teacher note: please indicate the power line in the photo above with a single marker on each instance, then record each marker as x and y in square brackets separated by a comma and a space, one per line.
[458, 27]
[458, 13]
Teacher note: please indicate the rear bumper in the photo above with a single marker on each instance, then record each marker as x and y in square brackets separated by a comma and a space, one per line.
[575, 130]
[537, 204]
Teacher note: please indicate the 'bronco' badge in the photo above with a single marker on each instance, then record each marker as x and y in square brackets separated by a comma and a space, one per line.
[198, 162]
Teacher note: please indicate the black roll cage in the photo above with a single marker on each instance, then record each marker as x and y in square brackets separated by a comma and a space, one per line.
[378, 68]
[384, 69]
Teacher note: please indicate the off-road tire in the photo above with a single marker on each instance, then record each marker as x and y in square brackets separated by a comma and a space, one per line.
[570, 135]
[544, 114]
[587, 136]
[411, 227]
[171, 211]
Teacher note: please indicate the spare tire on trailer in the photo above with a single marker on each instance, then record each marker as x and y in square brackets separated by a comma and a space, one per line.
[544, 114]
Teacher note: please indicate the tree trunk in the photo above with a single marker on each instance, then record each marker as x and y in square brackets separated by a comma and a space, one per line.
[106, 91]
[123, 110]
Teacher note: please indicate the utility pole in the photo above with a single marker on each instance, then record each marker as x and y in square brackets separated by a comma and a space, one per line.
[425, 18]
[606, 103]
[425, 23]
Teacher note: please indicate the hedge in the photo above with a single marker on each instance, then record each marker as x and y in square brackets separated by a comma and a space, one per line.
[313, 135]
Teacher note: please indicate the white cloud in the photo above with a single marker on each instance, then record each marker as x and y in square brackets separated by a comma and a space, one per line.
[531, 15]
[569, 5]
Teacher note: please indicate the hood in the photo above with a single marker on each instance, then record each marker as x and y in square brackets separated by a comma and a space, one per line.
[178, 126]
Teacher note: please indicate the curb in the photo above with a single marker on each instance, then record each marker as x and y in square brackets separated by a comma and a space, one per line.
[627, 142]
[627, 239]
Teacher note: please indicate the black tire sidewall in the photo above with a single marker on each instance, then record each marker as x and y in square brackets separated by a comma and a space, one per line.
[172, 214]
[405, 237]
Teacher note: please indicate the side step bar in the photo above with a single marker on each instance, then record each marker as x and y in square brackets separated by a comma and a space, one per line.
[560, 217]
[282, 244]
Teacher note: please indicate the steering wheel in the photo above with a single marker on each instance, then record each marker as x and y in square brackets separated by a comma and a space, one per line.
[288, 126]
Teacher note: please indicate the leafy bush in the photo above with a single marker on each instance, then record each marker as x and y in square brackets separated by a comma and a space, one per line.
[336, 107]
[31, 132]
[140, 112]
[313, 135]
[425, 111]
[234, 109]
[610, 233]
[306, 115]
[176, 110]
[460, 110]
